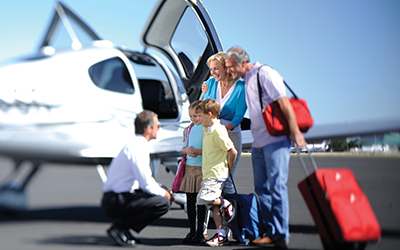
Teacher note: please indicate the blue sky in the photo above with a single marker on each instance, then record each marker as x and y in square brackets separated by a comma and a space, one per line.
[342, 56]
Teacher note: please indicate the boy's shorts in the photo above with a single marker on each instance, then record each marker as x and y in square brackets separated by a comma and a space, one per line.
[210, 191]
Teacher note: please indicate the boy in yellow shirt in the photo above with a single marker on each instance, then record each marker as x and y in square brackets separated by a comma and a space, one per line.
[216, 146]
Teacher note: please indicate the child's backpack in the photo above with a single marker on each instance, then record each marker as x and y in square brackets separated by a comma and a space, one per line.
[248, 222]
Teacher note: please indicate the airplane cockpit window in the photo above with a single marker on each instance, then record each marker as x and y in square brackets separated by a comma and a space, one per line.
[188, 43]
[112, 74]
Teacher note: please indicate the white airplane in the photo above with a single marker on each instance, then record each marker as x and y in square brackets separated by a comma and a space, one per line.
[313, 147]
[75, 101]
[318, 147]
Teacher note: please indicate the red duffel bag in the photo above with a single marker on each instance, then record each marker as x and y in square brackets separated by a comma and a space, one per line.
[276, 121]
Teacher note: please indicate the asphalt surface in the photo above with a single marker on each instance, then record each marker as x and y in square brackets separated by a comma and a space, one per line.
[64, 210]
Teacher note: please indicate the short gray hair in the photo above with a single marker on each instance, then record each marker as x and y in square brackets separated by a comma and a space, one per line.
[143, 120]
[239, 54]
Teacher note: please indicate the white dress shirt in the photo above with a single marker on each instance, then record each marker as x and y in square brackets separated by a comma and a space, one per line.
[131, 170]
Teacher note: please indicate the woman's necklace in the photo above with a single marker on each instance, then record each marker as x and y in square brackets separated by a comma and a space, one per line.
[225, 86]
[225, 89]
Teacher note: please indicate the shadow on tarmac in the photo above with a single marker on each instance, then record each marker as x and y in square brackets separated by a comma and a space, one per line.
[79, 213]
[95, 240]
[96, 214]
[75, 213]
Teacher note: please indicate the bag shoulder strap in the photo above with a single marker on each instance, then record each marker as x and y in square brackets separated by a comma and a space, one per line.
[187, 133]
[260, 90]
[233, 183]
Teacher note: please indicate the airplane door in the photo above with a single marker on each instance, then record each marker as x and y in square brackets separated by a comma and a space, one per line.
[184, 33]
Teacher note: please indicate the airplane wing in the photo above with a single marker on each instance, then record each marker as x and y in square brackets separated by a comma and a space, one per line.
[317, 133]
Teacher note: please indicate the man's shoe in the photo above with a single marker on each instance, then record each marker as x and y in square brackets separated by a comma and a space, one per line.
[264, 240]
[120, 237]
[229, 212]
[131, 237]
[281, 243]
[217, 240]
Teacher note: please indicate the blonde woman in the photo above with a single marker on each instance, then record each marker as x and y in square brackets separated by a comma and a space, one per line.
[230, 95]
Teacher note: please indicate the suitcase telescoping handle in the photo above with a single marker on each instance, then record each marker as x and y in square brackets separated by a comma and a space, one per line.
[302, 161]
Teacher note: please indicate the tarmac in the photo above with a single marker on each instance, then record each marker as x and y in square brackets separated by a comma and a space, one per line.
[64, 213]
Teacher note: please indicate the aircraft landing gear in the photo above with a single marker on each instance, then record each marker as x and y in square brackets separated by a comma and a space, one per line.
[13, 198]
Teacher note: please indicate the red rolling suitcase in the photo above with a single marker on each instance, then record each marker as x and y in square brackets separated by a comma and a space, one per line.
[340, 209]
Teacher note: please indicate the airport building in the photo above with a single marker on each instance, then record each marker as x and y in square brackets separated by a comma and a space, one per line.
[388, 142]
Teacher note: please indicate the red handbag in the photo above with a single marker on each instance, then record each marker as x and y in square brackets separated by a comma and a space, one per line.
[275, 120]
[179, 175]
[176, 184]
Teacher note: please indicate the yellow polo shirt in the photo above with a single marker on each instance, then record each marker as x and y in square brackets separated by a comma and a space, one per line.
[216, 144]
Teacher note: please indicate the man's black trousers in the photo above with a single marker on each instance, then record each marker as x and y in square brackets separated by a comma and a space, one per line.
[134, 210]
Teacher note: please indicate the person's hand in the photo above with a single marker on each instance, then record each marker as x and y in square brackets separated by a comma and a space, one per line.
[204, 87]
[226, 128]
[190, 152]
[171, 198]
[298, 139]
[169, 195]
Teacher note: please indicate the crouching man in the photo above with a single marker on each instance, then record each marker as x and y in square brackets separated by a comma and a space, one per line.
[132, 197]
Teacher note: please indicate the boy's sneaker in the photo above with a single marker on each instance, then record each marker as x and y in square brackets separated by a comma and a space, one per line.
[217, 240]
[229, 212]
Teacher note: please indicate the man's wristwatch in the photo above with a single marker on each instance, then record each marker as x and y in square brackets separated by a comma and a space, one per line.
[172, 198]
